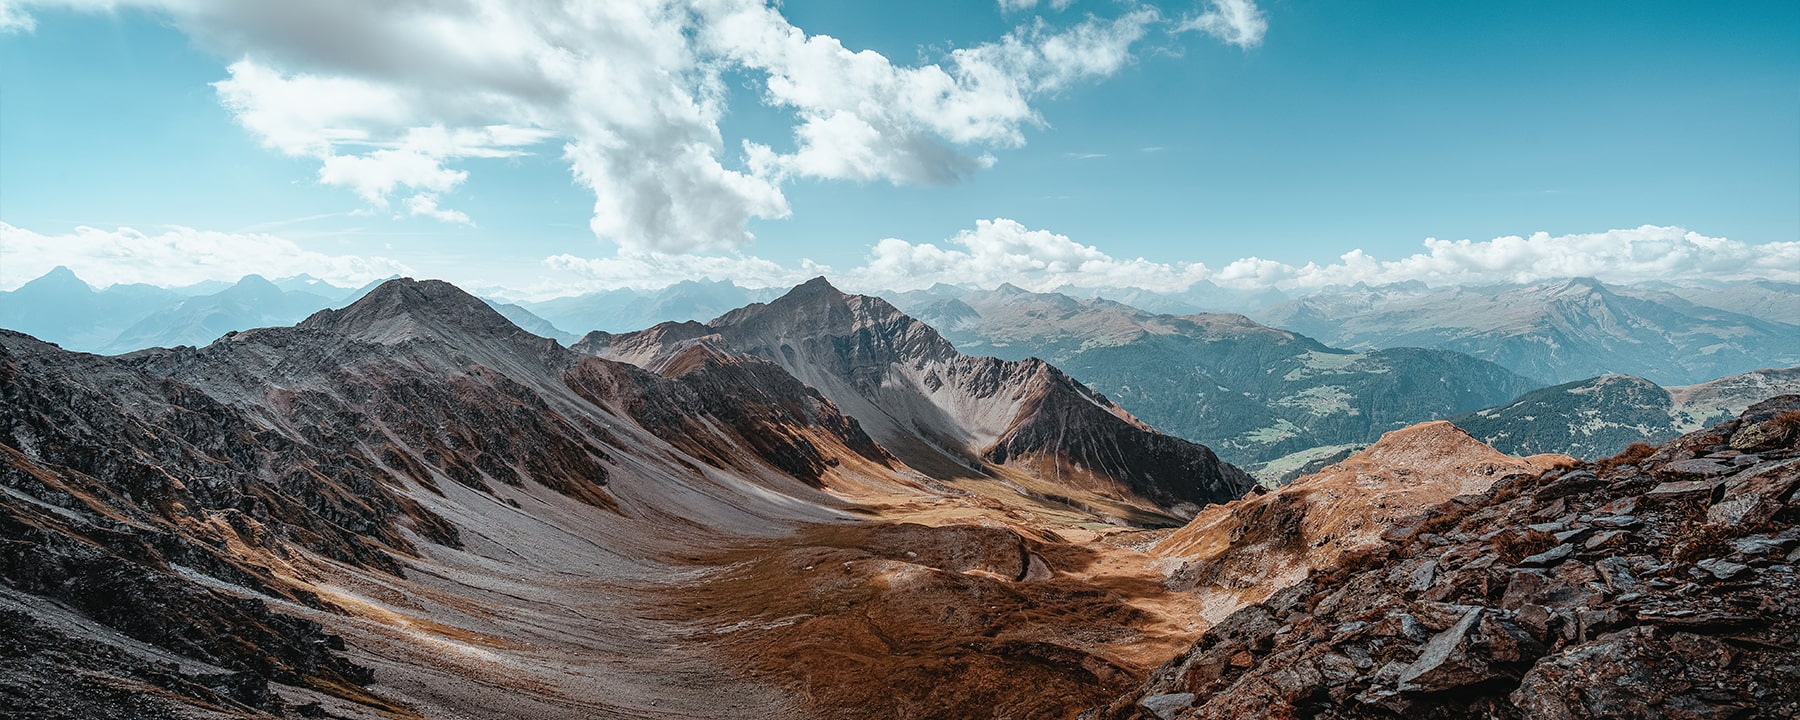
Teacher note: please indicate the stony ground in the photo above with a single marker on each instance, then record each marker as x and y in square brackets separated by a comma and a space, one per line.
[1657, 584]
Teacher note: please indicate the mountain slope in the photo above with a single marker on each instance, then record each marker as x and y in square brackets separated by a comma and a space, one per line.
[1557, 330]
[941, 412]
[413, 472]
[1658, 585]
[1252, 392]
[1241, 552]
[1601, 416]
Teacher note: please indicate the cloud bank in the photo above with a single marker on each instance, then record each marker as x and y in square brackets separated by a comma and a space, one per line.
[1004, 251]
[396, 100]
[175, 257]
[993, 252]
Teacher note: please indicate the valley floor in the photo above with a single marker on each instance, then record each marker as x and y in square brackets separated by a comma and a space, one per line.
[1025, 612]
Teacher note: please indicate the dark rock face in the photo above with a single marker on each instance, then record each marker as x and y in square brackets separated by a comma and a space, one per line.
[1632, 587]
[1160, 467]
[121, 488]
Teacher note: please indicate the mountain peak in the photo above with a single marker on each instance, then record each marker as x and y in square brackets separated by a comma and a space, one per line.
[816, 285]
[59, 279]
[405, 308]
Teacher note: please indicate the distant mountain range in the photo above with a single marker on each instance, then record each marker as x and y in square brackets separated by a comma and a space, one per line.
[1598, 417]
[1558, 331]
[60, 308]
[1565, 330]
[1252, 392]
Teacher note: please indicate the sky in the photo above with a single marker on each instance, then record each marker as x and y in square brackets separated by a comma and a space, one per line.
[531, 149]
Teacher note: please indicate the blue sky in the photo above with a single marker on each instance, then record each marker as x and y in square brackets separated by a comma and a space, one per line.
[1635, 136]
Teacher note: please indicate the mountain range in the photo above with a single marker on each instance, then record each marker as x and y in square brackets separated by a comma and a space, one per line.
[414, 474]
[1255, 393]
[818, 506]
[944, 413]
[1562, 331]
[61, 308]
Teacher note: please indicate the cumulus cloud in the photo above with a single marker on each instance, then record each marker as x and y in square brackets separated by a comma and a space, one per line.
[863, 118]
[426, 205]
[1238, 22]
[1621, 256]
[396, 99]
[1002, 250]
[177, 256]
[14, 19]
[1005, 251]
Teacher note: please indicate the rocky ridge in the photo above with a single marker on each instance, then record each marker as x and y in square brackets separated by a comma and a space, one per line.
[1660, 583]
[943, 413]
[183, 523]
[1241, 552]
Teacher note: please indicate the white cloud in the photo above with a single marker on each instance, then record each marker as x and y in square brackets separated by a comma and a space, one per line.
[1238, 22]
[1620, 256]
[398, 99]
[1002, 250]
[14, 19]
[426, 204]
[863, 118]
[1005, 251]
[177, 256]
[1017, 5]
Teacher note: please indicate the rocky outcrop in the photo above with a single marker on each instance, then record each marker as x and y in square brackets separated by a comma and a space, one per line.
[1656, 584]
[1241, 552]
[943, 413]
[122, 490]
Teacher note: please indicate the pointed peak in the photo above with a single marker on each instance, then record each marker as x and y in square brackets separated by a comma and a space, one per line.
[61, 279]
[1007, 288]
[815, 285]
[1578, 284]
[402, 308]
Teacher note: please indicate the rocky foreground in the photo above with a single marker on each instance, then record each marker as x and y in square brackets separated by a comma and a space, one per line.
[1656, 584]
